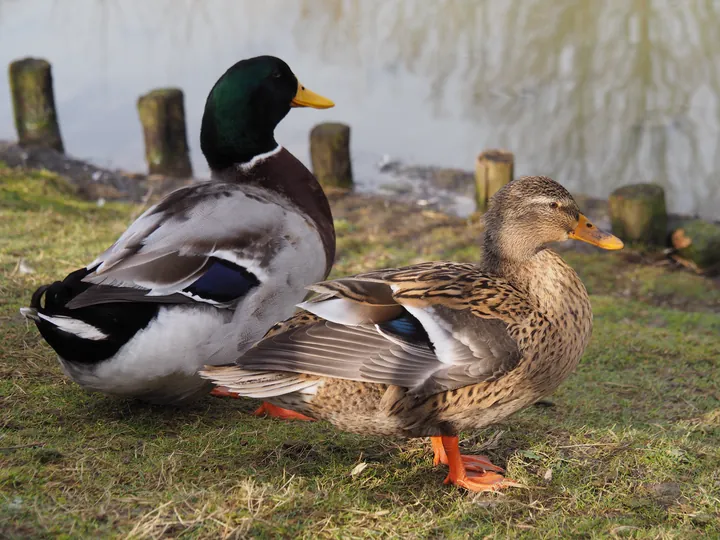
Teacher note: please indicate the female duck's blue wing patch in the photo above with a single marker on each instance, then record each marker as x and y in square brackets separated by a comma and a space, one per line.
[400, 351]
[407, 329]
[223, 282]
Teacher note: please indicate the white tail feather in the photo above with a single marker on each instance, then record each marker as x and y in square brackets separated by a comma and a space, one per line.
[259, 384]
[29, 313]
[75, 327]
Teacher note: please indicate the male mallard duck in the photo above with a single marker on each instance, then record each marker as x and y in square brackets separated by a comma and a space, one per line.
[436, 348]
[212, 265]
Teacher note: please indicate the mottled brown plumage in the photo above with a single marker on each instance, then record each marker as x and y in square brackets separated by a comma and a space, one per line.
[438, 347]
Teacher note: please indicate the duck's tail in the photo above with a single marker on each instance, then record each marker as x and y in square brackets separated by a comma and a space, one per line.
[32, 312]
[62, 328]
[48, 308]
[52, 298]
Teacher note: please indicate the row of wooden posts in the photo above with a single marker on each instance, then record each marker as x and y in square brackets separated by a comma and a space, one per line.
[638, 212]
[162, 115]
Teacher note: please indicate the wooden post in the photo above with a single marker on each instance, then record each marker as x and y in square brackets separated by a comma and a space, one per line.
[493, 169]
[330, 155]
[33, 100]
[638, 214]
[162, 115]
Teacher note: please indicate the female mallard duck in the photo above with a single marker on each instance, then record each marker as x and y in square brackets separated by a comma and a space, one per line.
[212, 265]
[436, 348]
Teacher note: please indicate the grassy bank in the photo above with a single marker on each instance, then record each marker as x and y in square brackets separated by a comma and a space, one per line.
[628, 447]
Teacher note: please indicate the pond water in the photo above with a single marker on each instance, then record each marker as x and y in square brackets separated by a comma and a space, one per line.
[596, 94]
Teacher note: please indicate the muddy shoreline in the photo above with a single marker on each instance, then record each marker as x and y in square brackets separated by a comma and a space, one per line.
[423, 187]
[397, 219]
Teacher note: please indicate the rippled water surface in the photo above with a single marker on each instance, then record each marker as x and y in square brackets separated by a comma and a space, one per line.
[596, 94]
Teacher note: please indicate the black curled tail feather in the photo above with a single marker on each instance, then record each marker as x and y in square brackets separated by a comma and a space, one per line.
[57, 295]
[36, 300]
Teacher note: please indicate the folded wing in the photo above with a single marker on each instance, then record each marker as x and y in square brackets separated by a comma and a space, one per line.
[191, 247]
[380, 328]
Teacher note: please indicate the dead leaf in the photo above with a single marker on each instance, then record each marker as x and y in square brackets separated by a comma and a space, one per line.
[22, 268]
[359, 468]
[680, 240]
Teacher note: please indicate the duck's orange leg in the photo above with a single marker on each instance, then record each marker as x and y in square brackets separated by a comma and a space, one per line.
[268, 409]
[474, 481]
[471, 463]
[439, 455]
[222, 391]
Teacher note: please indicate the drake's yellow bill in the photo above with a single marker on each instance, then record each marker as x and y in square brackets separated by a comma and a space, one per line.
[308, 98]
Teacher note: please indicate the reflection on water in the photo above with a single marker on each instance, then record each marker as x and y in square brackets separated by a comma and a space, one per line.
[596, 94]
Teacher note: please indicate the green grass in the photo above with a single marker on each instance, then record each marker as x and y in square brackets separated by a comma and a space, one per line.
[628, 447]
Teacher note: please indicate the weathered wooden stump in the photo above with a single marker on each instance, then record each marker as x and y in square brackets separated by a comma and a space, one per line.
[638, 213]
[698, 241]
[162, 115]
[493, 169]
[33, 100]
[330, 155]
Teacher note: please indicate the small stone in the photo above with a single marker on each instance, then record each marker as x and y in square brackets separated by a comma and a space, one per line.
[702, 518]
[623, 530]
[387, 163]
[638, 502]
[398, 188]
[666, 493]
[47, 455]
[529, 454]
[545, 403]
[665, 490]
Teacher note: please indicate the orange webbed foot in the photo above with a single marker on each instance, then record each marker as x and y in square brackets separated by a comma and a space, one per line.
[471, 463]
[268, 409]
[223, 392]
[479, 464]
[484, 481]
[474, 473]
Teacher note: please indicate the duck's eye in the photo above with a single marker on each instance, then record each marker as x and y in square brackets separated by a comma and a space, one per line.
[277, 74]
[554, 205]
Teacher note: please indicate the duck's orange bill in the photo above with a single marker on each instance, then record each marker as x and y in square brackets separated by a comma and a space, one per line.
[308, 98]
[587, 232]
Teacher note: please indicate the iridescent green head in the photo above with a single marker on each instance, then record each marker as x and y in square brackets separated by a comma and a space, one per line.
[245, 106]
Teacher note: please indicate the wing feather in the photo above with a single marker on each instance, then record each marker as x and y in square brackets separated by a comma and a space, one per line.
[428, 328]
[172, 245]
